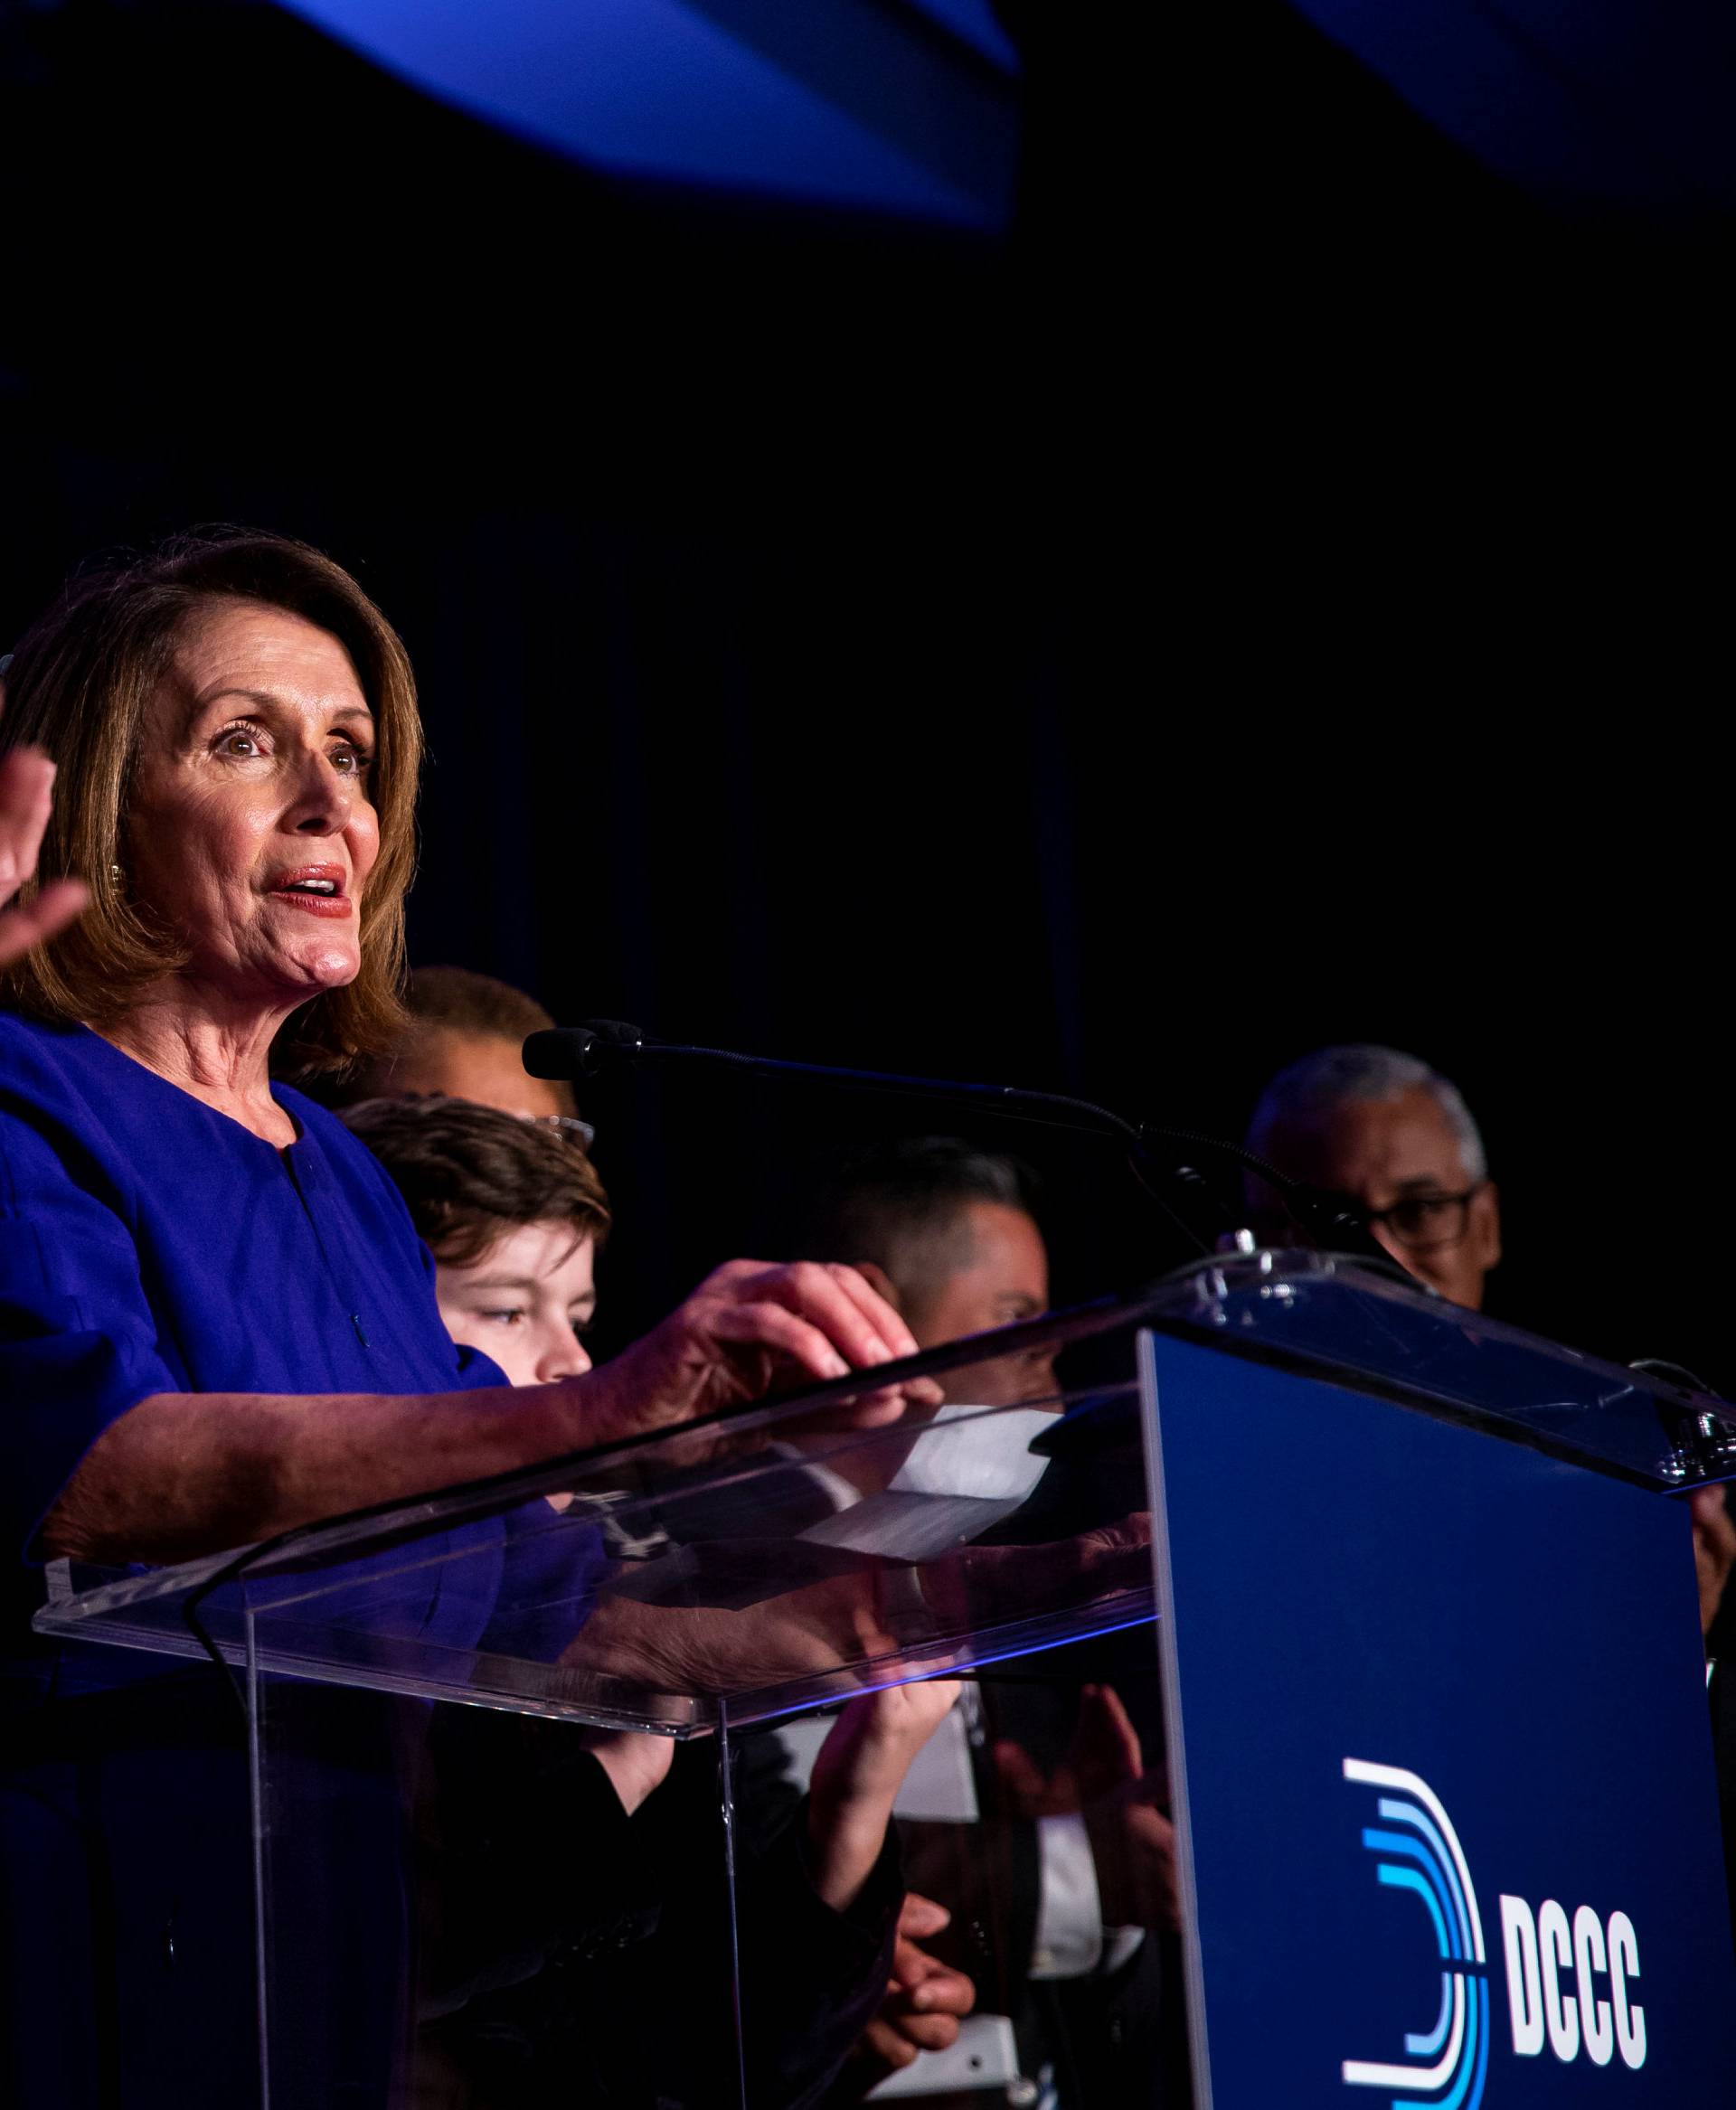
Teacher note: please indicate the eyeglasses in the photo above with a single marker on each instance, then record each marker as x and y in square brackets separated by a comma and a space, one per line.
[1427, 1223]
[575, 1131]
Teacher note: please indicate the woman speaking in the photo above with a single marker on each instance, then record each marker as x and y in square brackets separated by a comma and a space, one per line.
[216, 1320]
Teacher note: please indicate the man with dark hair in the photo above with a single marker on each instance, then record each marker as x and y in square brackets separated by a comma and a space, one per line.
[1063, 1905]
[947, 1234]
[463, 1039]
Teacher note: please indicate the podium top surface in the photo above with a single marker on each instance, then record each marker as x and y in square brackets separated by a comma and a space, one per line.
[845, 1538]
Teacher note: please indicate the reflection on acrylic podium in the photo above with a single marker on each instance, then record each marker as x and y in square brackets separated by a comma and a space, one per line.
[1406, 1798]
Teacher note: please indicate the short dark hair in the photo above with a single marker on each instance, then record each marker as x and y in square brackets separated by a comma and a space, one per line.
[452, 999]
[463, 1002]
[471, 1174]
[900, 1205]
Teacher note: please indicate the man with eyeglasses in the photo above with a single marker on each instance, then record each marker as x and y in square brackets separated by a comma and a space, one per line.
[1396, 1138]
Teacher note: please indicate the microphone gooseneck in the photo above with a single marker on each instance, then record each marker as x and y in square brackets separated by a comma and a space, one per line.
[1157, 1156]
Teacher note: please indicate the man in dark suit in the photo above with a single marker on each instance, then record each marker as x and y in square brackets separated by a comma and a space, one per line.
[1062, 1890]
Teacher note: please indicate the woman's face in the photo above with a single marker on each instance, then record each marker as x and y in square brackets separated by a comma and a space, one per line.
[251, 830]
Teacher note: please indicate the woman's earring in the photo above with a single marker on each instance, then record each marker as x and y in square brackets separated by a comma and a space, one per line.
[116, 873]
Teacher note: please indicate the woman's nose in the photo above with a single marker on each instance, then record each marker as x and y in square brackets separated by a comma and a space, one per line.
[560, 1354]
[323, 800]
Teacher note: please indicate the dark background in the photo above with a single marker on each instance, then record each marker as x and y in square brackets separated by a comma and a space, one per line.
[1278, 595]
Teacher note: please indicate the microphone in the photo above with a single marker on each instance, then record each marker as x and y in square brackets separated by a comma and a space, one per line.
[582, 1053]
[593, 1050]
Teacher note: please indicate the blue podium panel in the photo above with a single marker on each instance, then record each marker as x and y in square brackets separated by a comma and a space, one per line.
[1442, 1767]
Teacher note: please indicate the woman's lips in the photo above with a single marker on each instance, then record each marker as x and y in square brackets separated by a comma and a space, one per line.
[315, 889]
[313, 904]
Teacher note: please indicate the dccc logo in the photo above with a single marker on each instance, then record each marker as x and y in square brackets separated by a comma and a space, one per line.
[1556, 1968]
[1541, 1953]
[1418, 1851]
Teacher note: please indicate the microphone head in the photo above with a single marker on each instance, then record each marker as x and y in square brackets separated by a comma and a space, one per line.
[580, 1051]
[561, 1051]
[612, 1033]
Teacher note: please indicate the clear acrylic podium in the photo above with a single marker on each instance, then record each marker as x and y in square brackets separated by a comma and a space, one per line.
[445, 1908]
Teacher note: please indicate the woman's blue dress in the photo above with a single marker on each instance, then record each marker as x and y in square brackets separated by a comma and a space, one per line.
[149, 1245]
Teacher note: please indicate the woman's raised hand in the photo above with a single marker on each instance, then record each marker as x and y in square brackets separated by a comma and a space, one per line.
[26, 793]
[748, 1330]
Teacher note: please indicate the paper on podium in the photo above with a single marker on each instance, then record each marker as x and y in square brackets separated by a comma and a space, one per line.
[969, 1468]
[966, 1470]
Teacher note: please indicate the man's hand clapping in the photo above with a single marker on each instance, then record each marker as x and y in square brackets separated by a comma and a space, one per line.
[1125, 1804]
[1714, 1550]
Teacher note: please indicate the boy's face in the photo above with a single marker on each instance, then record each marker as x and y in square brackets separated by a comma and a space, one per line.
[525, 1302]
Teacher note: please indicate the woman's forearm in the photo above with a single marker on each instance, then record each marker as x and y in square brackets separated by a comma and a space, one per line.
[191, 1473]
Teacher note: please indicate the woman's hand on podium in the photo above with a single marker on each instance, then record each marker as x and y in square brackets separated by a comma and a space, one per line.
[749, 1331]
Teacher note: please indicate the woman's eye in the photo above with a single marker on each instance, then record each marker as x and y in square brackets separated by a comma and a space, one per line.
[506, 1316]
[239, 742]
[581, 1328]
[350, 761]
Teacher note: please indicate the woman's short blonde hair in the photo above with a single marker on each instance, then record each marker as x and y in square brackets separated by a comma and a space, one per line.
[78, 686]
